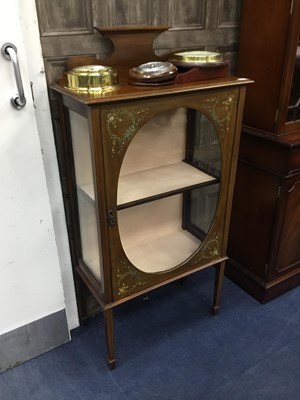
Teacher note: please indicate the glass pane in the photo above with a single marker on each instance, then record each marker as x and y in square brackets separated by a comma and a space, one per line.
[294, 102]
[152, 235]
[202, 202]
[205, 146]
[85, 192]
[171, 172]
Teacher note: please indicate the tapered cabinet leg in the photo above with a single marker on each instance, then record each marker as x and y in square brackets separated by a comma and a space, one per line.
[220, 268]
[109, 334]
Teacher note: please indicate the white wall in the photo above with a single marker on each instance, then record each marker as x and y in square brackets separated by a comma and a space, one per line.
[30, 30]
[35, 267]
[30, 284]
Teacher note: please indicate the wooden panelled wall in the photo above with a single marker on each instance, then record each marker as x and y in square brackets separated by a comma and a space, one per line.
[67, 26]
[67, 29]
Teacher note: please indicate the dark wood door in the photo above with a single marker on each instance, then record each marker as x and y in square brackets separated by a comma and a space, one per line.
[286, 252]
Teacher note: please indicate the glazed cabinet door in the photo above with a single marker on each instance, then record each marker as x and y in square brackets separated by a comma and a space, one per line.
[167, 165]
[289, 99]
[269, 54]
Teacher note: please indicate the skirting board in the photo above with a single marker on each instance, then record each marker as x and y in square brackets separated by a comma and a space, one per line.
[33, 339]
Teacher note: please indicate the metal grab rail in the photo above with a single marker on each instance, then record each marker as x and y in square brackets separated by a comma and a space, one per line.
[9, 51]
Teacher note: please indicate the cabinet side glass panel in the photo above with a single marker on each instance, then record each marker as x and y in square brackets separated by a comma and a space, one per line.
[85, 193]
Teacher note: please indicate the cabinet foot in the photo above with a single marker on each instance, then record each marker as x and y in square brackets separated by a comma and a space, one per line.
[111, 364]
[215, 310]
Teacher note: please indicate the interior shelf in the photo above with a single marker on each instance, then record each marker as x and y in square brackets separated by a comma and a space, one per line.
[149, 184]
[154, 182]
[162, 252]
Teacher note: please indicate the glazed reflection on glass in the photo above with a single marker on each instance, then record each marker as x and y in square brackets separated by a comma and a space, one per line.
[293, 113]
[206, 155]
[85, 193]
[167, 195]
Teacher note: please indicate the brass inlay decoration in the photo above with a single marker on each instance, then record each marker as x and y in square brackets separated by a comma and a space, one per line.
[209, 250]
[122, 125]
[220, 110]
[128, 279]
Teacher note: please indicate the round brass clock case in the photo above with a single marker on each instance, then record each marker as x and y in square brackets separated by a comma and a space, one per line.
[92, 78]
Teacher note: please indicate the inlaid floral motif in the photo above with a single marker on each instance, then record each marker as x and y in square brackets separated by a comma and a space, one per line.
[122, 124]
[128, 279]
[209, 250]
[220, 110]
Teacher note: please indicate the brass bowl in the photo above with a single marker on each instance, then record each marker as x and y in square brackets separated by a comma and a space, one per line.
[92, 79]
[199, 57]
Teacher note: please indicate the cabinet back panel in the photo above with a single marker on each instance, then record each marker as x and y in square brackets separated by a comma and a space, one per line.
[147, 149]
[152, 237]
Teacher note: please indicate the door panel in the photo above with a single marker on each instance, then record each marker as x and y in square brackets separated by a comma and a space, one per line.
[288, 230]
[30, 285]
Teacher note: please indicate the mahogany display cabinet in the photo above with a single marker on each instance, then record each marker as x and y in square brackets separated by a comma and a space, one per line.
[152, 171]
[264, 239]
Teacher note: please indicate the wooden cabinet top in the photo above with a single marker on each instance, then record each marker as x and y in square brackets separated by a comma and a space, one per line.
[126, 91]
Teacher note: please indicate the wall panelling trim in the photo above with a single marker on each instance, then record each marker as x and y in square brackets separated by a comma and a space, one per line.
[33, 339]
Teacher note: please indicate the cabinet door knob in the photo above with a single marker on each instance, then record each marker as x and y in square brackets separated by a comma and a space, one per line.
[111, 218]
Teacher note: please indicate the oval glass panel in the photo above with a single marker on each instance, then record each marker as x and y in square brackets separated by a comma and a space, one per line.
[168, 189]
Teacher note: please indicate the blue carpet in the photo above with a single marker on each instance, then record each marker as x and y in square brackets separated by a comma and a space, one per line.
[168, 346]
